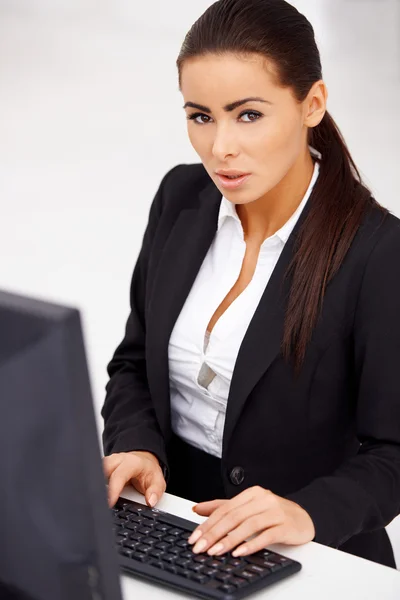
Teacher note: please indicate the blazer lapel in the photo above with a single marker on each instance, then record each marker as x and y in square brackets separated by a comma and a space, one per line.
[179, 263]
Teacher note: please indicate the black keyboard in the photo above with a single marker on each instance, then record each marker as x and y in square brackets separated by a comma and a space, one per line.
[154, 545]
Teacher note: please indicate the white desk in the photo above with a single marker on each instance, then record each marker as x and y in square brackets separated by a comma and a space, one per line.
[327, 574]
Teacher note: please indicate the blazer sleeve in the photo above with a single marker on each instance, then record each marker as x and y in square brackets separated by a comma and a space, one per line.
[129, 418]
[363, 494]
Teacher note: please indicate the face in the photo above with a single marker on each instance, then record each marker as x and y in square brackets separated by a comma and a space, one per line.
[263, 137]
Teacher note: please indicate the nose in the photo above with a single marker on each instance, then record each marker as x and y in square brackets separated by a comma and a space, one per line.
[225, 144]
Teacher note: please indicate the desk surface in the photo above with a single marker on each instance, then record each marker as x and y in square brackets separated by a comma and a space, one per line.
[327, 573]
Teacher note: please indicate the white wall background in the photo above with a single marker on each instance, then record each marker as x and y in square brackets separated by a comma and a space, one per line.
[91, 119]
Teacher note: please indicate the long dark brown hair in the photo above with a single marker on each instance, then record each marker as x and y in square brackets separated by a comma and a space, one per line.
[277, 31]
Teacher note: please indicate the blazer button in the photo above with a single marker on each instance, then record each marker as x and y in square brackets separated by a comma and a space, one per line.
[237, 475]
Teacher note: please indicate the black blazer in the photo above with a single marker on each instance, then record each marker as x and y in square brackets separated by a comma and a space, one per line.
[330, 440]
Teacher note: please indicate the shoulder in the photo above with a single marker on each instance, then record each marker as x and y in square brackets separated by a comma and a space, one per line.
[379, 226]
[183, 180]
[379, 236]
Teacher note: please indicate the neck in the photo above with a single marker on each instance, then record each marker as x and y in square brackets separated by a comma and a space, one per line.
[263, 217]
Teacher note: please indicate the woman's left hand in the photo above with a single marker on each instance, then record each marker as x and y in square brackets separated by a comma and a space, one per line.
[255, 511]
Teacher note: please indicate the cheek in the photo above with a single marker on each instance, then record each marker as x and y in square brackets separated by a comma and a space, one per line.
[279, 135]
[276, 148]
[199, 142]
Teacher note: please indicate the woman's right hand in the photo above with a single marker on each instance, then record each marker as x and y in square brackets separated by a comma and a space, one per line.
[139, 467]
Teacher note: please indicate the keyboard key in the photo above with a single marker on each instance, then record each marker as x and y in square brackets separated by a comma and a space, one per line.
[213, 563]
[229, 568]
[236, 562]
[171, 568]
[125, 551]
[144, 530]
[162, 545]
[134, 519]
[149, 541]
[183, 572]
[222, 576]
[258, 560]
[227, 588]
[257, 569]
[209, 572]
[148, 523]
[162, 527]
[238, 582]
[144, 548]
[182, 543]
[200, 558]
[279, 560]
[182, 562]
[130, 544]
[247, 574]
[121, 514]
[156, 553]
[136, 536]
[187, 554]
[175, 531]
[196, 567]
[169, 558]
[156, 563]
[200, 578]
[170, 539]
[140, 556]
[148, 512]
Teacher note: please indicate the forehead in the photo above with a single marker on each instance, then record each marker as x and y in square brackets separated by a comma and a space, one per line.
[228, 74]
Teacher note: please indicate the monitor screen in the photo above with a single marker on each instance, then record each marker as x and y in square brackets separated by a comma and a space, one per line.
[55, 525]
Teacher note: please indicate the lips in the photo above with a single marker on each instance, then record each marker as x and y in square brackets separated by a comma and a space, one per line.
[232, 183]
[231, 173]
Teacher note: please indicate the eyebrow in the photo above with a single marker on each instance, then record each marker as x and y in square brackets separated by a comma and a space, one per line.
[227, 107]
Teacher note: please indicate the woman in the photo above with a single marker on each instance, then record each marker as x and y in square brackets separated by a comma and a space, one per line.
[259, 369]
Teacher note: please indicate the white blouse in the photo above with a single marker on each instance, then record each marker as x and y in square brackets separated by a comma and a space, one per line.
[201, 364]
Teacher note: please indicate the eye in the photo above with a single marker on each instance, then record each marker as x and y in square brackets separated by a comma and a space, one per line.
[194, 116]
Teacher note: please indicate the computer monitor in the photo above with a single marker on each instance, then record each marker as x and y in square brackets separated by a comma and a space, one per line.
[55, 526]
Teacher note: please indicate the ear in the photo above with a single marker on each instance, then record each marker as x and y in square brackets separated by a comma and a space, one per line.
[315, 104]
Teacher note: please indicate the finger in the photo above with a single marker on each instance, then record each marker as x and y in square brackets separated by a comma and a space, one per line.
[252, 526]
[110, 463]
[244, 520]
[206, 508]
[239, 500]
[273, 535]
[155, 489]
[130, 467]
[223, 510]
[244, 497]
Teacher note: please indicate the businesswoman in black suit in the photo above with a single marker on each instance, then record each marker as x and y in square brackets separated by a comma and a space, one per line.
[310, 443]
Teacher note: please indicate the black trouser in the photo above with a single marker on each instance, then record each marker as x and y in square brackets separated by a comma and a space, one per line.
[196, 475]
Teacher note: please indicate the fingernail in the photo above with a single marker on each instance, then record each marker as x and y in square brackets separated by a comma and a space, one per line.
[239, 551]
[200, 546]
[194, 537]
[215, 549]
[153, 500]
